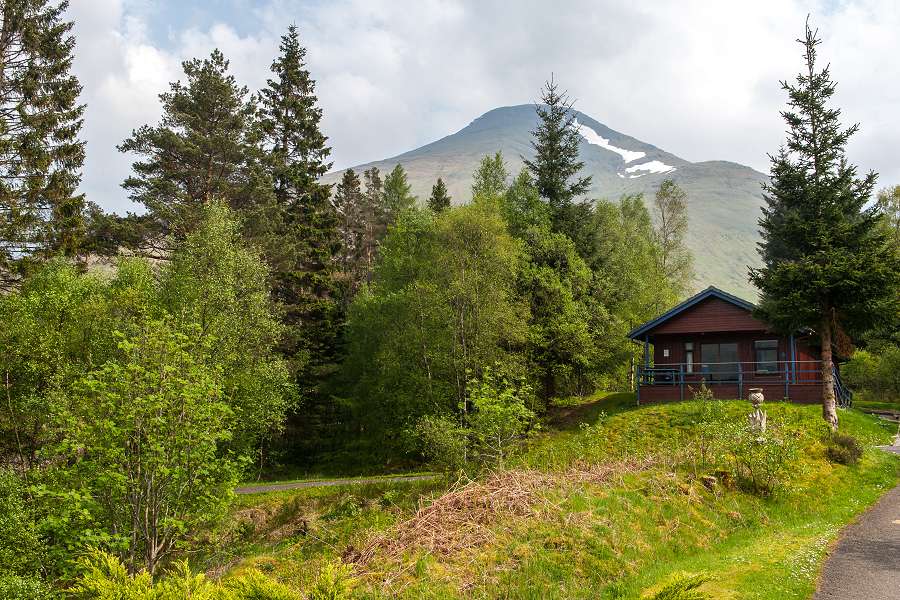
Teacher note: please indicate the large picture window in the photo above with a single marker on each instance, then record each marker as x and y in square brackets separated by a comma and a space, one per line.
[719, 361]
[766, 356]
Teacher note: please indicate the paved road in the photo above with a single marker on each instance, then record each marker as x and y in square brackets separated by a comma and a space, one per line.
[865, 565]
[277, 487]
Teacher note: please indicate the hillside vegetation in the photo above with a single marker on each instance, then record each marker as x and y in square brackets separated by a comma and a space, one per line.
[611, 499]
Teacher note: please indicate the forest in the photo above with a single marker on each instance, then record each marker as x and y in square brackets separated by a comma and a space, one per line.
[252, 322]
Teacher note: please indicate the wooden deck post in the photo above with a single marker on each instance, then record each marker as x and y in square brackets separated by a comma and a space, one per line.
[740, 381]
[681, 379]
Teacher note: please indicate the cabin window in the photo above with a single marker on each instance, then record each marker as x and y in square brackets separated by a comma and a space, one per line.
[719, 361]
[689, 357]
[766, 356]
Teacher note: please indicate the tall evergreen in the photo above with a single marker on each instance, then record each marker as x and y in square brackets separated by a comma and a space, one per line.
[348, 200]
[304, 241]
[827, 261]
[397, 193]
[204, 148]
[439, 199]
[373, 218]
[555, 166]
[40, 153]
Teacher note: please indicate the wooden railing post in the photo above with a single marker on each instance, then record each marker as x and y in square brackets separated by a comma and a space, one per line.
[681, 379]
[740, 381]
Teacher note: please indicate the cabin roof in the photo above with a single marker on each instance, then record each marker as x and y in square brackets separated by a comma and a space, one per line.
[710, 292]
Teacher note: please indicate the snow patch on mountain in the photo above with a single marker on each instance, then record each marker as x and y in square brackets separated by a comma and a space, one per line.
[595, 139]
[654, 166]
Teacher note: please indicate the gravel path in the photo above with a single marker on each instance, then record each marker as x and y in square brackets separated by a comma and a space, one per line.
[865, 565]
[277, 487]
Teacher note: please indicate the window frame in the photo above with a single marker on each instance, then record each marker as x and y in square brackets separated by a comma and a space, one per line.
[756, 357]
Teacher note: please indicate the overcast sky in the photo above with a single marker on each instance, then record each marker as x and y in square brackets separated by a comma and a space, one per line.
[698, 79]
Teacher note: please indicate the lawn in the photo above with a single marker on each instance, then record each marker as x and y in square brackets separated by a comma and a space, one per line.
[606, 502]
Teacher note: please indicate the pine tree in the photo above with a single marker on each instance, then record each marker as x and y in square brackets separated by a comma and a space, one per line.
[348, 200]
[304, 241]
[828, 264]
[40, 153]
[489, 181]
[372, 222]
[555, 143]
[204, 148]
[397, 193]
[439, 199]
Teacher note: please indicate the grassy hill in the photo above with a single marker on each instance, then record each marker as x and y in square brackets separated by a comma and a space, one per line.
[724, 197]
[611, 501]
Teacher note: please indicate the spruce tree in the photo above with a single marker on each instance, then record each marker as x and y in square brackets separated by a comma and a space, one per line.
[555, 164]
[302, 244]
[397, 193]
[204, 148]
[439, 199]
[373, 218]
[827, 262]
[40, 153]
[348, 200]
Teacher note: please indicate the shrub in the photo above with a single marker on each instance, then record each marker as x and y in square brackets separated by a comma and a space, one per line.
[335, 582]
[15, 587]
[843, 449]
[442, 441]
[759, 461]
[499, 417]
[682, 587]
[702, 393]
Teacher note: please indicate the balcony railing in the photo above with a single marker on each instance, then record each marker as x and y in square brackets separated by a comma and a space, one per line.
[742, 374]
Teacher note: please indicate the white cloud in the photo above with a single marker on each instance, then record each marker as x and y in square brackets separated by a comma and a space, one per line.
[697, 78]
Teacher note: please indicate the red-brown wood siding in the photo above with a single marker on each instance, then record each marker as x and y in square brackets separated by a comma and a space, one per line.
[810, 393]
[710, 315]
[745, 341]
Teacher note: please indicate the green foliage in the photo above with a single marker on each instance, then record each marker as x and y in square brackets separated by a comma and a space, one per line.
[828, 262]
[442, 441]
[489, 179]
[299, 233]
[760, 461]
[220, 286]
[146, 430]
[334, 582]
[442, 305]
[556, 141]
[17, 587]
[843, 448]
[522, 206]
[104, 577]
[211, 150]
[875, 373]
[439, 199]
[683, 586]
[498, 418]
[398, 196]
[40, 154]
[675, 260]
[21, 548]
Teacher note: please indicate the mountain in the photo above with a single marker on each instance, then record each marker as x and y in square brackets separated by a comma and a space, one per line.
[724, 198]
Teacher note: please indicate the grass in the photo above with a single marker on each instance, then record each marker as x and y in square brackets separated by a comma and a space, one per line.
[612, 506]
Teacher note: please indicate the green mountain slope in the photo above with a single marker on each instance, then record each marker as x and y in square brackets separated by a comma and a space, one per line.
[724, 197]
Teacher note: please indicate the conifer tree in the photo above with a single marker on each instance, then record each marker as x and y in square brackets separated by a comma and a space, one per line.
[489, 180]
[555, 143]
[439, 199]
[397, 193]
[303, 241]
[372, 222]
[40, 153]
[203, 149]
[827, 261]
[348, 200]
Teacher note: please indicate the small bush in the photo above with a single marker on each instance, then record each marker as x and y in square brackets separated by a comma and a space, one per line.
[702, 393]
[843, 449]
[682, 587]
[335, 582]
[760, 461]
[442, 441]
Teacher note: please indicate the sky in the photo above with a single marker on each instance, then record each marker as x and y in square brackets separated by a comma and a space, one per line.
[699, 79]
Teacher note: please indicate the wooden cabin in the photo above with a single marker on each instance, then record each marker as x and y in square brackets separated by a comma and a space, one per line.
[714, 338]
